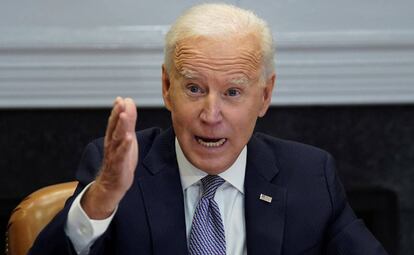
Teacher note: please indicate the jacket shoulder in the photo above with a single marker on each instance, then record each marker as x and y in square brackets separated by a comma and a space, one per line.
[295, 160]
[290, 148]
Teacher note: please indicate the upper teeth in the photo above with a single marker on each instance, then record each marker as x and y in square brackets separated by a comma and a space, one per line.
[211, 144]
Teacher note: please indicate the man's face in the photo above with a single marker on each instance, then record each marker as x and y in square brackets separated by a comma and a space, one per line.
[214, 95]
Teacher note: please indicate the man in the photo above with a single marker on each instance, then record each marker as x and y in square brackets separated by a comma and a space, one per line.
[208, 185]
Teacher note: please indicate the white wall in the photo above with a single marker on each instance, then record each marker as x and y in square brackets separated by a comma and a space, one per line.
[56, 53]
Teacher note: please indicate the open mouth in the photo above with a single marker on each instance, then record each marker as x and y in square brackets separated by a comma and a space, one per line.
[210, 142]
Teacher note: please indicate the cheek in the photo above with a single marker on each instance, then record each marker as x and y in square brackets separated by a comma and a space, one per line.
[183, 115]
[243, 120]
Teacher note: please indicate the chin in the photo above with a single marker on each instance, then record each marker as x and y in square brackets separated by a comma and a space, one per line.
[211, 168]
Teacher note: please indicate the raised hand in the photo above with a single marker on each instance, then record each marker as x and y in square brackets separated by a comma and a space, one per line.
[119, 163]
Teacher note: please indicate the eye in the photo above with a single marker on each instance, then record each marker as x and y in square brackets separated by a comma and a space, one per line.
[194, 89]
[233, 92]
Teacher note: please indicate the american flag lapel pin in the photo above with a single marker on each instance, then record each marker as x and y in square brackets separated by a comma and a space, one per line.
[265, 198]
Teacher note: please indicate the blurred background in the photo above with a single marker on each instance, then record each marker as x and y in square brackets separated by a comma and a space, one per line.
[345, 83]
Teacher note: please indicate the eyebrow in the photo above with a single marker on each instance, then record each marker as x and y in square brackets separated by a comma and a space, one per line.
[240, 81]
[189, 74]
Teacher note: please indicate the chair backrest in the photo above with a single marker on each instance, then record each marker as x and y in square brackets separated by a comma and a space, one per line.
[33, 213]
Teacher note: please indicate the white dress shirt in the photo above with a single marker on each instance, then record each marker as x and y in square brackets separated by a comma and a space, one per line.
[83, 231]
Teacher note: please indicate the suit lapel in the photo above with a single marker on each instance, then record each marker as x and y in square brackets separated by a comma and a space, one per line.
[163, 197]
[265, 221]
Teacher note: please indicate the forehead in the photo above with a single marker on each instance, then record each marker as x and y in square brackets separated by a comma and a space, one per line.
[232, 55]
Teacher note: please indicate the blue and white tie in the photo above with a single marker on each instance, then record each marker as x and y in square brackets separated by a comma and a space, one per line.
[207, 231]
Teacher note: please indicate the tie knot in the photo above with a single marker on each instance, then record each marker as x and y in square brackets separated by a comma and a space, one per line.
[210, 185]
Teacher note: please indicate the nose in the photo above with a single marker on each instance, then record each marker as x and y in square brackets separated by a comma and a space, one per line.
[211, 112]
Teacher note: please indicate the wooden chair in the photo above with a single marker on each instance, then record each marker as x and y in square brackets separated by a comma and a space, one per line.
[33, 213]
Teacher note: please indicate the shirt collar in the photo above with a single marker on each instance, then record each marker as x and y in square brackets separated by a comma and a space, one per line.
[190, 175]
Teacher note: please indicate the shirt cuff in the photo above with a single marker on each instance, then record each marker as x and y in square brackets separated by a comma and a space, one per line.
[82, 230]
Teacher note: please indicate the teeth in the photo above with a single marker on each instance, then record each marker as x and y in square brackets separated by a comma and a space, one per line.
[211, 144]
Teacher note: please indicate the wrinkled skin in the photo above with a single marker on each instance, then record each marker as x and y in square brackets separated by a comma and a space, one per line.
[215, 93]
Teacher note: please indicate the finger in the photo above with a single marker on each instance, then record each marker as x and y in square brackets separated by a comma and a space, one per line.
[121, 128]
[118, 107]
[123, 148]
[131, 111]
[122, 161]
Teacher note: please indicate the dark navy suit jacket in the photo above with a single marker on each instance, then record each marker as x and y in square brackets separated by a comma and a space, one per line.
[309, 213]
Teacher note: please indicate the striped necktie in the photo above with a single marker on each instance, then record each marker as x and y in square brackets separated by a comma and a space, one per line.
[207, 230]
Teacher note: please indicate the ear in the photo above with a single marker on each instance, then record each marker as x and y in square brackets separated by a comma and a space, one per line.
[267, 94]
[166, 86]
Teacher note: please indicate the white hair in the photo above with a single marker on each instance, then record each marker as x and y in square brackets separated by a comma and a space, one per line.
[215, 21]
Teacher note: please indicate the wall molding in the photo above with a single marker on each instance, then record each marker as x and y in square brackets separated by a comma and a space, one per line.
[54, 67]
